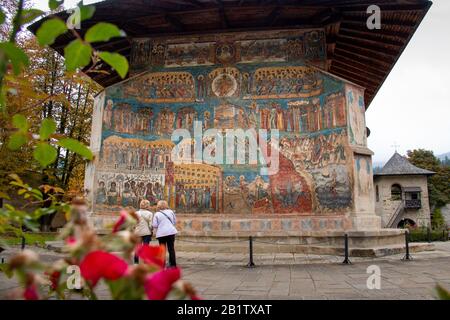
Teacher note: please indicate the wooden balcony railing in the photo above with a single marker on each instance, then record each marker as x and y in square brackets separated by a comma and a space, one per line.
[413, 204]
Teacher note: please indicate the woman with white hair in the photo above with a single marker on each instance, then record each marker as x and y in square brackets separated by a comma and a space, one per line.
[164, 221]
[144, 228]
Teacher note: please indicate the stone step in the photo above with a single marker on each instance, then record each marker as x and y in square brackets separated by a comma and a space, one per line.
[266, 248]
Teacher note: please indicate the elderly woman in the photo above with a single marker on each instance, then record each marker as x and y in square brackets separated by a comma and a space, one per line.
[144, 227]
[164, 221]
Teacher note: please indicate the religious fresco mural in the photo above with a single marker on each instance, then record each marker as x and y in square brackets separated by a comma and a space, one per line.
[364, 183]
[357, 122]
[233, 82]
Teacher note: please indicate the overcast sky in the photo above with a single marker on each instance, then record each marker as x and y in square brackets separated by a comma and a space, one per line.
[412, 109]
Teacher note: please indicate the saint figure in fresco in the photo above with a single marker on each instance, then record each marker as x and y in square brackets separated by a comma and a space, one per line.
[183, 202]
[206, 120]
[207, 198]
[214, 199]
[201, 87]
[246, 84]
[273, 118]
[149, 194]
[108, 115]
[101, 193]
[127, 195]
[112, 194]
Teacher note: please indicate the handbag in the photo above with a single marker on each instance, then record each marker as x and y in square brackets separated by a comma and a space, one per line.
[165, 215]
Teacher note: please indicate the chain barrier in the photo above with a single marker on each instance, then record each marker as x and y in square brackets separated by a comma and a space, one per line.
[251, 240]
[290, 244]
[212, 242]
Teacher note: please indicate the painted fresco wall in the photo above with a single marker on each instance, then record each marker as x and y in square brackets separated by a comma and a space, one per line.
[232, 81]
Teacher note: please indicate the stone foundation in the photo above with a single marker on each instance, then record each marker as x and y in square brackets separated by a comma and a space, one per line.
[283, 234]
[361, 243]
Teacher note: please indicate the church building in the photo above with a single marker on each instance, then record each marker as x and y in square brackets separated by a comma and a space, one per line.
[401, 194]
[296, 77]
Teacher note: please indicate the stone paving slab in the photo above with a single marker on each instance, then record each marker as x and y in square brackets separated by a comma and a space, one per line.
[327, 279]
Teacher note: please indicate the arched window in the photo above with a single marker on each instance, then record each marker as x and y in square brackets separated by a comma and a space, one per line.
[406, 223]
[396, 192]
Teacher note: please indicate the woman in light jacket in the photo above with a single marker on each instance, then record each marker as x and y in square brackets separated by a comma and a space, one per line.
[164, 221]
[144, 227]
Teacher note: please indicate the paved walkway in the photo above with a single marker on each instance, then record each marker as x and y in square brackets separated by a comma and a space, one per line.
[224, 276]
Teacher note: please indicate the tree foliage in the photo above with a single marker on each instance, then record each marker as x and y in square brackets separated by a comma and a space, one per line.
[46, 103]
[439, 183]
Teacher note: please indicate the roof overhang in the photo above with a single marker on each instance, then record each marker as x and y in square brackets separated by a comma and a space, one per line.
[379, 175]
[355, 53]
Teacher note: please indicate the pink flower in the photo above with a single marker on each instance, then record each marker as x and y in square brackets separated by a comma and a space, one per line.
[119, 223]
[71, 240]
[126, 219]
[158, 285]
[154, 255]
[31, 292]
[101, 264]
[54, 279]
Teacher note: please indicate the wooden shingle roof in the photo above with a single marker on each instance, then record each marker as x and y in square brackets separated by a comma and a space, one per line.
[354, 52]
[399, 165]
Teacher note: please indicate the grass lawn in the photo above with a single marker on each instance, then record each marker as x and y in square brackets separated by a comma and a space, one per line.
[31, 239]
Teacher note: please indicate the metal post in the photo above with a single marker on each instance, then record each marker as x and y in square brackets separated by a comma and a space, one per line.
[23, 243]
[407, 255]
[346, 259]
[250, 264]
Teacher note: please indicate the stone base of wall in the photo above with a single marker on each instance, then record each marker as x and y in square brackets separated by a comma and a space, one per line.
[361, 244]
[283, 234]
[235, 225]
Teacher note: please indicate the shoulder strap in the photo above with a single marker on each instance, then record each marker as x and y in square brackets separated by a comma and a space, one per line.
[167, 217]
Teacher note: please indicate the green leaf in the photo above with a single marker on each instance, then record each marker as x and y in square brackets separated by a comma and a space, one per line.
[86, 12]
[102, 32]
[54, 4]
[45, 154]
[2, 16]
[28, 15]
[77, 147]
[16, 55]
[48, 127]
[20, 122]
[4, 196]
[17, 140]
[116, 61]
[442, 293]
[77, 54]
[50, 30]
